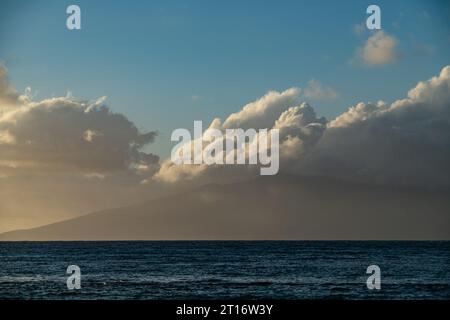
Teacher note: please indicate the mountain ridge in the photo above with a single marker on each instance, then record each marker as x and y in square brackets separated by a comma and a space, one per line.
[287, 207]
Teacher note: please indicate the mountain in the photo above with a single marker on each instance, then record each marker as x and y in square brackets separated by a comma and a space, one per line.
[267, 208]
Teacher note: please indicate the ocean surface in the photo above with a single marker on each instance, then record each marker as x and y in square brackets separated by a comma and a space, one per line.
[225, 270]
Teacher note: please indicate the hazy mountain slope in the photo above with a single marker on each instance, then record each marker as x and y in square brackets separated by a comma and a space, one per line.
[283, 207]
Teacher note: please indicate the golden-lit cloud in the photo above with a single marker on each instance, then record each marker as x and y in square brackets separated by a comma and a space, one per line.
[63, 134]
[9, 97]
[379, 49]
[406, 142]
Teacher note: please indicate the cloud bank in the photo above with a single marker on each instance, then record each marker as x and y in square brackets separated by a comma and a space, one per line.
[406, 142]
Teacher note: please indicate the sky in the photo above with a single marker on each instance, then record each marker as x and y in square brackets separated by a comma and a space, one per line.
[167, 63]
[86, 115]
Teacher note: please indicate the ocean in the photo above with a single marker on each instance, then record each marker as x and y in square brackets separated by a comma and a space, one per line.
[225, 269]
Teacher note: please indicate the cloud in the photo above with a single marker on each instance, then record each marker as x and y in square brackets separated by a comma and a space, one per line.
[298, 126]
[9, 97]
[359, 28]
[6, 137]
[379, 49]
[62, 134]
[406, 142]
[263, 112]
[316, 91]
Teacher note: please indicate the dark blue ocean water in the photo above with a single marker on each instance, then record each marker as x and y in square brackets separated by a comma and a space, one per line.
[225, 269]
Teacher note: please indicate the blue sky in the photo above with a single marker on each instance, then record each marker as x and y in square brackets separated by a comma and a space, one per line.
[151, 58]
